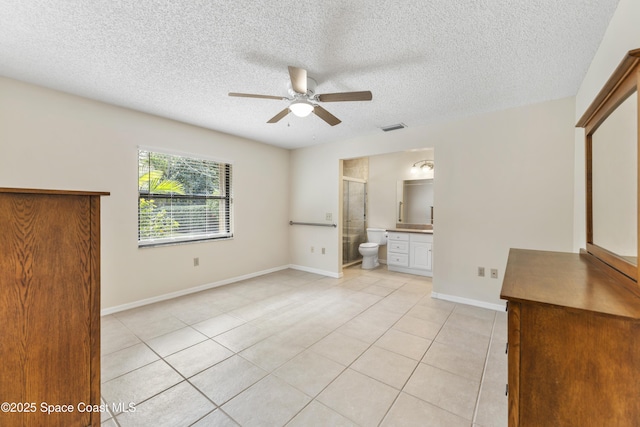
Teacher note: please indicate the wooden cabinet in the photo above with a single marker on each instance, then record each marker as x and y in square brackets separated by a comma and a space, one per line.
[49, 307]
[410, 252]
[574, 342]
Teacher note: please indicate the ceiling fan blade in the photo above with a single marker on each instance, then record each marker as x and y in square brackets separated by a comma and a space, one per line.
[346, 96]
[326, 116]
[253, 95]
[298, 79]
[279, 116]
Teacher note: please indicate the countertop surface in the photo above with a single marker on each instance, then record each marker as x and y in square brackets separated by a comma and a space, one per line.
[409, 230]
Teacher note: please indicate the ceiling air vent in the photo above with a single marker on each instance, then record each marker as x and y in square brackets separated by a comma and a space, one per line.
[394, 127]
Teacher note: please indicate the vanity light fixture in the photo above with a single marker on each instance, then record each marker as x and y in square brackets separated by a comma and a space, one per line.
[422, 166]
[301, 107]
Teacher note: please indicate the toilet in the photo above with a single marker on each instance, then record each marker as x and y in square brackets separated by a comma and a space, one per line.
[369, 251]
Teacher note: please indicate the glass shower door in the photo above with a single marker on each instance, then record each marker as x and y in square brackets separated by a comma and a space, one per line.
[354, 219]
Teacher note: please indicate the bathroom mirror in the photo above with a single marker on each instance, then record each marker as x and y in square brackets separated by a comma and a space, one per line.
[414, 201]
[611, 128]
[614, 154]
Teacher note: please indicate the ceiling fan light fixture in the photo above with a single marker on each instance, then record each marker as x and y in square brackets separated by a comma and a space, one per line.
[301, 107]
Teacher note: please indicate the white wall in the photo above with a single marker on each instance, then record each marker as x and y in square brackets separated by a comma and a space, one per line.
[622, 35]
[314, 188]
[503, 179]
[59, 141]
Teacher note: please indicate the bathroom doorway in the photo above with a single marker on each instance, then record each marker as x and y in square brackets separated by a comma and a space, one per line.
[354, 215]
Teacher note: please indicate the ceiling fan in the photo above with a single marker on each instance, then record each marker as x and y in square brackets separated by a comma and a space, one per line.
[304, 100]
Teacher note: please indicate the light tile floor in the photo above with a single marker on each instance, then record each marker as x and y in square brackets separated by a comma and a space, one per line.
[298, 349]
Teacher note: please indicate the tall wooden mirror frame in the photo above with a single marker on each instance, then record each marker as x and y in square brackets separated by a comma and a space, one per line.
[623, 83]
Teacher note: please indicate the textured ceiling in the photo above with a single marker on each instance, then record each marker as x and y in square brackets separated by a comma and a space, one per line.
[424, 60]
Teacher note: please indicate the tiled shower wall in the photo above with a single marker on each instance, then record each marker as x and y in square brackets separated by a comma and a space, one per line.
[356, 168]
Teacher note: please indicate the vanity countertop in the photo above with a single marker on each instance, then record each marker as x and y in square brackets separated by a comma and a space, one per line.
[409, 230]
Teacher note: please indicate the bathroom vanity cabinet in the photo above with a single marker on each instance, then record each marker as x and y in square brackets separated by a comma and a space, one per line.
[410, 251]
[49, 307]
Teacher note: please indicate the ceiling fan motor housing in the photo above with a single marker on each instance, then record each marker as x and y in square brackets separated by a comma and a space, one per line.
[311, 89]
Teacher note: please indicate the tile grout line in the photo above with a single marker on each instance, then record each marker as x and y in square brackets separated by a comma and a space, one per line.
[185, 379]
[372, 344]
[159, 358]
[416, 367]
[484, 371]
[219, 407]
[314, 398]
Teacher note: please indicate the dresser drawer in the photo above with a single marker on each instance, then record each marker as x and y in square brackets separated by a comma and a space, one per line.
[398, 246]
[401, 260]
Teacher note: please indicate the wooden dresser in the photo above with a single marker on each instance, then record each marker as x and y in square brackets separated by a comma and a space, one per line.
[49, 307]
[574, 342]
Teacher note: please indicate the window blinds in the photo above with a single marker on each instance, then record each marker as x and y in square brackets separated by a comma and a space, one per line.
[182, 199]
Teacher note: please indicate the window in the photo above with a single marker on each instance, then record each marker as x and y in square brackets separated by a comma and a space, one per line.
[182, 199]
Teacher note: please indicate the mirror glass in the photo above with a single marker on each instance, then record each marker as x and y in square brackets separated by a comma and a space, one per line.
[415, 201]
[614, 181]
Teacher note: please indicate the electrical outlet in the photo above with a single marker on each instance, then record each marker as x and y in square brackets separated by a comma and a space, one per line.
[323, 251]
[328, 216]
[312, 249]
[481, 271]
[494, 273]
[196, 262]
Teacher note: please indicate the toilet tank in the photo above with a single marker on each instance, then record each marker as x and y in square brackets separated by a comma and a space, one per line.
[377, 235]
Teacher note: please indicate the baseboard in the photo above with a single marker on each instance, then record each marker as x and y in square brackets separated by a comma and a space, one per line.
[163, 297]
[468, 301]
[316, 271]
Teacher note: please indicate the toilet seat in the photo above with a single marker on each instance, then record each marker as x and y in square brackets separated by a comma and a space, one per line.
[368, 245]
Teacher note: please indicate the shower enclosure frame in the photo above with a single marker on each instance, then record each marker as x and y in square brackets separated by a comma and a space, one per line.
[354, 219]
